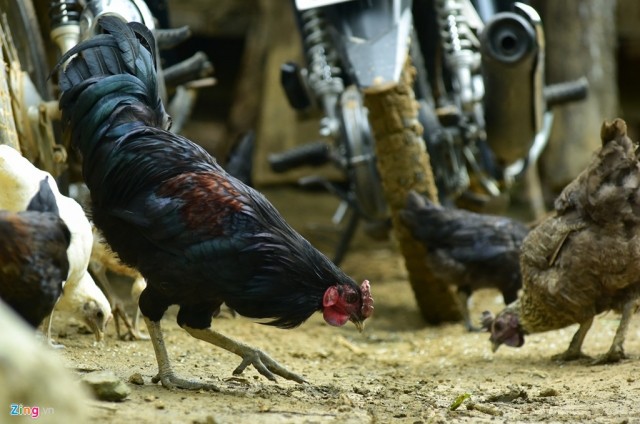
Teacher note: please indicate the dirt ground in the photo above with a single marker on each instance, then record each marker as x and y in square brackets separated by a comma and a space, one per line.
[398, 371]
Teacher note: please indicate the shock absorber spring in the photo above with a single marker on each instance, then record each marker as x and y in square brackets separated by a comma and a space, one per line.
[324, 73]
[64, 12]
[65, 23]
[460, 47]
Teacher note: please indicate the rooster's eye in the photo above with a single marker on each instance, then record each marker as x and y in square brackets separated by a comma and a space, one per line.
[351, 298]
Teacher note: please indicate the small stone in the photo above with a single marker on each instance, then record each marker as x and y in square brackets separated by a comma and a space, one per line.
[159, 405]
[511, 395]
[150, 398]
[486, 409]
[548, 392]
[107, 386]
[265, 408]
[539, 374]
[136, 378]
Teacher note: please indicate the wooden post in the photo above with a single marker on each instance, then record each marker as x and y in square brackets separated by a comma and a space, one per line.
[580, 40]
[403, 163]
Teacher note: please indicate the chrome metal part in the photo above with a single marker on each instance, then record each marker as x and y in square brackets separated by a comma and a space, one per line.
[461, 49]
[130, 10]
[360, 156]
[323, 73]
[64, 16]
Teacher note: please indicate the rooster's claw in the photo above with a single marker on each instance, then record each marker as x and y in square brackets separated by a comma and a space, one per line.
[250, 355]
[171, 381]
[266, 366]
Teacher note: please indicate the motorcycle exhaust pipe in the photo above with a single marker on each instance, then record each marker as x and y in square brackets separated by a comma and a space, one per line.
[512, 49]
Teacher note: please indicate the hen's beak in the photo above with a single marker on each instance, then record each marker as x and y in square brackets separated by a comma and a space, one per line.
[96, 330]
[359, 325]
[495, 346]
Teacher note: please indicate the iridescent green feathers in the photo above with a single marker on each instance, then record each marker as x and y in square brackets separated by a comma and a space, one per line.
[109, 78]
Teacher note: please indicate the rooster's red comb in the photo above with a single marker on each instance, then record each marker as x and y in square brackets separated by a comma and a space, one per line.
[367, 300]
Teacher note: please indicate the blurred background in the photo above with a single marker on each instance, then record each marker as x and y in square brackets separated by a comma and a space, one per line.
[248, 40]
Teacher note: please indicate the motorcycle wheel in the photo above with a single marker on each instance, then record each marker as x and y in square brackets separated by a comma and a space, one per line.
[403, 165]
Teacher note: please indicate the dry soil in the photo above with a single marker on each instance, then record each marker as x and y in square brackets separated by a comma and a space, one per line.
[398, 371]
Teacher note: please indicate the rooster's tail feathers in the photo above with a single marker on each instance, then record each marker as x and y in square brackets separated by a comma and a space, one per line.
[130, 37]
[111, 79]
[126, 37]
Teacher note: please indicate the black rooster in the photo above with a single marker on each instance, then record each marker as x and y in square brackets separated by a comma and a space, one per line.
[199, 236]
[468, 249]
[33, 256]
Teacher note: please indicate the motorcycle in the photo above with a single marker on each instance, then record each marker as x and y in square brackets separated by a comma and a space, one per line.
[35, 33]
[445, 97]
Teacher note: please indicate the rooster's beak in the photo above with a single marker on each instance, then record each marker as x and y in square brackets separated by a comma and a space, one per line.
[359, 325]
[495, 346]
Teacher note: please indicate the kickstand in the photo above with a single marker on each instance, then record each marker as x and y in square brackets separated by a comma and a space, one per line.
[346, 237]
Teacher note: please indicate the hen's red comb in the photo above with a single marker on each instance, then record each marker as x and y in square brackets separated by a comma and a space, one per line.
[367, 300]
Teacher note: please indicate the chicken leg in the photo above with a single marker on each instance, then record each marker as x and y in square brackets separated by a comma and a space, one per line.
[463, 297]
[616, 351]
[46, 330]
[250, 355]
[574, 352]
[99, 271]
[165, 372]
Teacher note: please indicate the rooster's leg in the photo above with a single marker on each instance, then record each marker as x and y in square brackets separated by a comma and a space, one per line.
[165, 373]
[250, 355]
[463, 298]
[574, 351]
[616, 351]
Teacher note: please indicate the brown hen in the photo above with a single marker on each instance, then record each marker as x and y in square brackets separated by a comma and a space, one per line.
[584, 260]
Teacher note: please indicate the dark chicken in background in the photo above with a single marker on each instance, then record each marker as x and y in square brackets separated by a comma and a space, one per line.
[468, 249]
[199, 236]
[584, 260]
[33, 257]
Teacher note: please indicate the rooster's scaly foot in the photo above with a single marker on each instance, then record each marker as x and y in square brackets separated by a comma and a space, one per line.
[171, 381]
[265, 366]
